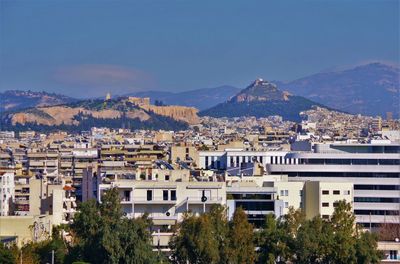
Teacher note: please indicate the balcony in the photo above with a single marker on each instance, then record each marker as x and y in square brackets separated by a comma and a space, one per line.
[154, 200]
[210, 200]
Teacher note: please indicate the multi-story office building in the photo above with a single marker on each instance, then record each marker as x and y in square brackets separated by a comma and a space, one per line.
[373, 169]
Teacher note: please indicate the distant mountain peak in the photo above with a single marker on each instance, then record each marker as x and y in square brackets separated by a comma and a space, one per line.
[370, 89]
[261, 99]
[260, 90]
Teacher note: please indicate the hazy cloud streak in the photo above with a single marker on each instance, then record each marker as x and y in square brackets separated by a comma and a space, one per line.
[104, 76]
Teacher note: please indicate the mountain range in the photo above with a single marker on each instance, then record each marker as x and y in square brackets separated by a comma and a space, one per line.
[369, 89]
[262, 99]
[16, 99]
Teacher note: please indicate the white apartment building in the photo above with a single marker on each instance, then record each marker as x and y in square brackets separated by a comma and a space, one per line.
[256, 200]
[262, 195]
[373, 169]
[289, 192]
[239, 158]
[7, 187]
[165, 197]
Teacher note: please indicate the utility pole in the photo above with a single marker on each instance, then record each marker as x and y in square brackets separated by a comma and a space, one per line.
[52, 257]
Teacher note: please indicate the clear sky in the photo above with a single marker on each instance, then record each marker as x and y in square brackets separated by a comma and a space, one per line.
[88, 47]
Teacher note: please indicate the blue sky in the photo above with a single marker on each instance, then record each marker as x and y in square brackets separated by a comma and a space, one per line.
[88, 47]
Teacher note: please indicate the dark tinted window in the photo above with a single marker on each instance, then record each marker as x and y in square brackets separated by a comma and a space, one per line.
[149, 195]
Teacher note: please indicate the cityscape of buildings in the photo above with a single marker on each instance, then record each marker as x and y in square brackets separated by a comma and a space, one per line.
[264, 166]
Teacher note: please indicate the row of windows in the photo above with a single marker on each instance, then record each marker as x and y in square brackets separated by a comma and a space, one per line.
[335, 204]
[376, 212]
[251, 196]
[351, 161]
[377, 187]
[256, 206]
[167, 195]
[376, 200]
[342, 174]
[335, 192]
[236, 160]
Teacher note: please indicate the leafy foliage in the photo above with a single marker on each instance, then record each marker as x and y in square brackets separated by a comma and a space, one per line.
[338, 240]
[6, 255]
[241, 238]
[103, 235]
[210, 238]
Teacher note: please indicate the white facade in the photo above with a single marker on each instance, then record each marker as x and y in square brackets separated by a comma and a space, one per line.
[7, 187]
[231, 158]
[373, 169]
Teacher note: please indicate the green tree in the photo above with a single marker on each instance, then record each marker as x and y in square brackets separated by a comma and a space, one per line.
[313, 241]
[366, 249]
[242, 248]
[195, 241]
[344, 239]
[6, 255]
[103, 235]
[135, 238]
[272, 242]
[219, 222]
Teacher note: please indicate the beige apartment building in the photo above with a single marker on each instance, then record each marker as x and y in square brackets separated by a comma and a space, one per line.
[321, 198]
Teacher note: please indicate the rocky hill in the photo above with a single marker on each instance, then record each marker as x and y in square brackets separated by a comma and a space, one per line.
[177, 112]
[15, 99]
[370, 89]
[85, 114]
[261, 99]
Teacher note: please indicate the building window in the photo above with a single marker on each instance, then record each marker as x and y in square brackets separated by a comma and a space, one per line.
[325, 204]
[335, 204]
[173, 195]
[286, 205]
[325, 216]
[284, 192]
[336, 192]
[165, 195]
[127, 195]
[325, 192]
[149, 195]
[393, 254]
[347, 192]
[167, 177]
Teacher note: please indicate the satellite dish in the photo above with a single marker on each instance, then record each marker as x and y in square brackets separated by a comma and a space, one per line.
[167, 213]
[204, 199]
